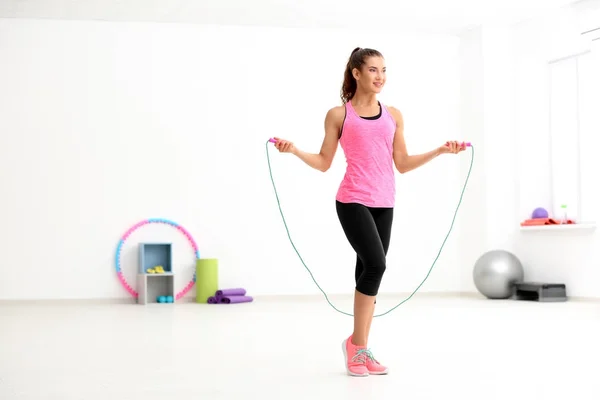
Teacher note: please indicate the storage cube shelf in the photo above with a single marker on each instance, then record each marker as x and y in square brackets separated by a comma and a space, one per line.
[154, 254]
[150, 286]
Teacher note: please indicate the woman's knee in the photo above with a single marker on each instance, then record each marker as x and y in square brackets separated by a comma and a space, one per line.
[376, 271]
[371, 278]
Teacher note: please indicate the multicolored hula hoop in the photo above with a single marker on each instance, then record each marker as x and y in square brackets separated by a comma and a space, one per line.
[139, 225]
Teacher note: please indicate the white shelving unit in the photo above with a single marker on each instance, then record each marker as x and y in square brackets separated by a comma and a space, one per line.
[151, 286]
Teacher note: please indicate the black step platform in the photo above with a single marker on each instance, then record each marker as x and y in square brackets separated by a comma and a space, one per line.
[537, 291]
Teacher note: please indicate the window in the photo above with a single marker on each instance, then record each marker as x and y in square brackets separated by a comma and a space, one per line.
[589, 131]
[573, 124]
[565, 188]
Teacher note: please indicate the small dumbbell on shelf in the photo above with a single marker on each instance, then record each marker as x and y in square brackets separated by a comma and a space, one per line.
[164, 299]
[156, 270]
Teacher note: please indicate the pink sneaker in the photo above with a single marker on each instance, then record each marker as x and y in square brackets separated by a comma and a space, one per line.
[355, 358]
[374, 367]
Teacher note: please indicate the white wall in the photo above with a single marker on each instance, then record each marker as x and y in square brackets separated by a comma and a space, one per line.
[473, 217]
[511, 63]
[487, 90]
[104, 124]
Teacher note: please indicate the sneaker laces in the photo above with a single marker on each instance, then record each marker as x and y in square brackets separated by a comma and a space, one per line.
[361, 356]
[371, 356]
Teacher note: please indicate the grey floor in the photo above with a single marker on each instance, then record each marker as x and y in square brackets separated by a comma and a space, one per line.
[436, 348]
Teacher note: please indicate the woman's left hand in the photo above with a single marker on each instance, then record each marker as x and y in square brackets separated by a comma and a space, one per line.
[453, 147]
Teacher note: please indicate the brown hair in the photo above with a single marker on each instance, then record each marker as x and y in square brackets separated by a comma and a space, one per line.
[356, 60]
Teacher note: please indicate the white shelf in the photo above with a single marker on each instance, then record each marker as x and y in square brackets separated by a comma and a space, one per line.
[587, 226]
[150, 286]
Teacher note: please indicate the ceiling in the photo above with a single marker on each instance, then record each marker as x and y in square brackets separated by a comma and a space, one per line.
[422, 16]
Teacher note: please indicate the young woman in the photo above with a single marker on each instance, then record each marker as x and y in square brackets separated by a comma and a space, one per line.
[372, 137]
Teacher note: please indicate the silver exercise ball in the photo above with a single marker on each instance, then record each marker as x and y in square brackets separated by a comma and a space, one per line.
[496, 272]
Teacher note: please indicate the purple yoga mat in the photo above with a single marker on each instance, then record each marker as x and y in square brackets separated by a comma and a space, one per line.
[236, 299]
[213, 300]
[231, 292]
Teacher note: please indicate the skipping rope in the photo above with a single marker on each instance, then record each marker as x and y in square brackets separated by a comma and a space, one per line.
[308, 269]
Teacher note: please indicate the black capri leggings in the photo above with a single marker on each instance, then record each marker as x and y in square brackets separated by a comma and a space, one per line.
[368, 230]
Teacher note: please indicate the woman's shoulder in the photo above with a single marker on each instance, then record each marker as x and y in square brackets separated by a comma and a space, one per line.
[394, 112]
[337, 110]
[336, 113]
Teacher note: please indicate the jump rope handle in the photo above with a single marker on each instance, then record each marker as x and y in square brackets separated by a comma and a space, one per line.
[463, 144]
[466, 144]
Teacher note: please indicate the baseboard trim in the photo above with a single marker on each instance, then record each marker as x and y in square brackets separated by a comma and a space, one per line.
[273, 298]
[67, 301]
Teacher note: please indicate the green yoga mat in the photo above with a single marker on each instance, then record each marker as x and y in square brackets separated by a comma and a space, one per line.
[207, 278]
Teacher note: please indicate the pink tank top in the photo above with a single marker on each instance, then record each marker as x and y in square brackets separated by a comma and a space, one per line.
[368, 146]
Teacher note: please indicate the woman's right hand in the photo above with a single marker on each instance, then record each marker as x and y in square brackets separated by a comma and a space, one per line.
[284, 146]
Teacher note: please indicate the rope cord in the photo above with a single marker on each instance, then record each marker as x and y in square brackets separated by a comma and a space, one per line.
[310, 272]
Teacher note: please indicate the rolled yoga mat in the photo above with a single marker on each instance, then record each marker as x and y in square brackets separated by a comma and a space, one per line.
[213, 300]
[207, 279]
[236, 299]
[230, 292]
